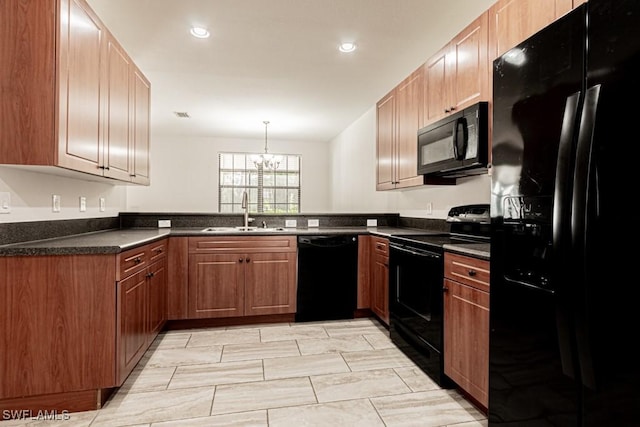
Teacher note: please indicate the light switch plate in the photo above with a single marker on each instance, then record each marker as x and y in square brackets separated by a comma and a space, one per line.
[103, 204]
[313, 223]
[429, 208]
[372, 223]
[83, 204]
[5, 202]
[164, 223]
[55, 203]
[290, 223]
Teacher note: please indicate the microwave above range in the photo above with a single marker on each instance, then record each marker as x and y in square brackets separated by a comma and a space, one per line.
[457, 145]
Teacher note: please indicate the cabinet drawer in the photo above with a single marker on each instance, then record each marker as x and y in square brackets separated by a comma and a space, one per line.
[157, 250]
[242, 244]
[132, 261]
[467, 270]
[380, 246]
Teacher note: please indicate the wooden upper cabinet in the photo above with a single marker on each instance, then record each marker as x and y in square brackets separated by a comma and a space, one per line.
[81, 57]
[399, 116]
[66, 92]
[409, 106]
[117, 139]
[140, 110]
[513, 21]
[385, 148]
[457, 75]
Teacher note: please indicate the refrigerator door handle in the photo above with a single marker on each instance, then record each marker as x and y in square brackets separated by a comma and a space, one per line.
[560, 221]
[579, 226]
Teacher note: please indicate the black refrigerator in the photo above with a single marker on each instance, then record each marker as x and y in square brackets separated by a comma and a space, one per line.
[564, 301]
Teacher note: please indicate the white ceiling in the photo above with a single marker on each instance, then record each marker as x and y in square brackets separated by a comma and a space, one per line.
[277, 60]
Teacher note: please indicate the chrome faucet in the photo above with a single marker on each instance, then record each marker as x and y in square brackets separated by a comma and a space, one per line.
[245, 206]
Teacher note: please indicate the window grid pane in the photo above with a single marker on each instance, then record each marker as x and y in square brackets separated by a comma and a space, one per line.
[269, 191]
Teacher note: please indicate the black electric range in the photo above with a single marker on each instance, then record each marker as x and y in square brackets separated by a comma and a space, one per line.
[468, 224]
[416, 299]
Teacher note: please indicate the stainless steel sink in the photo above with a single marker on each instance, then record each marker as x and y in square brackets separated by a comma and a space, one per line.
[218, 229]
[240, 229]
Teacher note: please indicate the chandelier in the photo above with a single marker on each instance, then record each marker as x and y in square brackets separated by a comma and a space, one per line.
[266, 160]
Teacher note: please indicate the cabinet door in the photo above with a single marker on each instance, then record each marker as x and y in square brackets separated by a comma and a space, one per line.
[380, 287]
[513, 21]
[437, 87]
[133, 322]
[385, 140]
[140, 173]
[468, 65]
[409, 104]
[466, 338]
[80, 80]
[116, 147]
[270, 283]
[178, 278]
[216, 285]
[364, 272]
[157, 275]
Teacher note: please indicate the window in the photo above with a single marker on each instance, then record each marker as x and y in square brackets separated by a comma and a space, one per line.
[269, 191]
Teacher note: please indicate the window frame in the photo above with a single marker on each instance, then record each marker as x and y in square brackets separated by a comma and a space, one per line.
[267, 193]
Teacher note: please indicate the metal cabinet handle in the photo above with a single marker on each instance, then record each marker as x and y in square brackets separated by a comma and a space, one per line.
[241, 260]
[472, 273]
[248, 259]
[445, 289]
[137, 260]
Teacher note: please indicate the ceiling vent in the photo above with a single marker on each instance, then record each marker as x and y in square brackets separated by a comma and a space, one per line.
[182, 114]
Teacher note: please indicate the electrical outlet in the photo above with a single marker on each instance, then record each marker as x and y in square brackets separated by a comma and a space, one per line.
[429, 208]
[164, 223]
[290, 223]
[55, 203]
[372, 223]
[83, 204]
[103, 204]
[313, 223]
[5, 202]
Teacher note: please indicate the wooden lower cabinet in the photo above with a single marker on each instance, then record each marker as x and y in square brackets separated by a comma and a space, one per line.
[57, 328]
[270, 283]
[216, 285]
[466, 324]
[157, 277]
[380, 278]
[241, 276]
[141, 304]
[133, 325]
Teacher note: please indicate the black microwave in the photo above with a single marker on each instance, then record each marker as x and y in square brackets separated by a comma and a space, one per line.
[457, 145]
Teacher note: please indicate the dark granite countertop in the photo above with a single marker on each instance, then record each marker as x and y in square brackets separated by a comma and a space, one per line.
[115, 241]
[477, 250]
[99, 242]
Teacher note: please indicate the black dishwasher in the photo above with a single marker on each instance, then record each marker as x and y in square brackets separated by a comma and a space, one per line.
[327, 277]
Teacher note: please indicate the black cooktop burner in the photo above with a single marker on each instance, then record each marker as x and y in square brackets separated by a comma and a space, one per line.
[467, 224]
[432, 240]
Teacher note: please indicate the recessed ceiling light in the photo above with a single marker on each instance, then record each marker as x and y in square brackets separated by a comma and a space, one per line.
[347, 47]
[199, 32]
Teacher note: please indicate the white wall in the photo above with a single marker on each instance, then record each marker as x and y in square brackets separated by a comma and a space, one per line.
[31, 194]
[353, 180]
[184, 173]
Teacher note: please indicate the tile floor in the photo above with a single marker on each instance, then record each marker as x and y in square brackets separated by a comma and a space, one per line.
[336, 373]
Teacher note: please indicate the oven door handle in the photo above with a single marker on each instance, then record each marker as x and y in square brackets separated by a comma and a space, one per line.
[415, 251]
